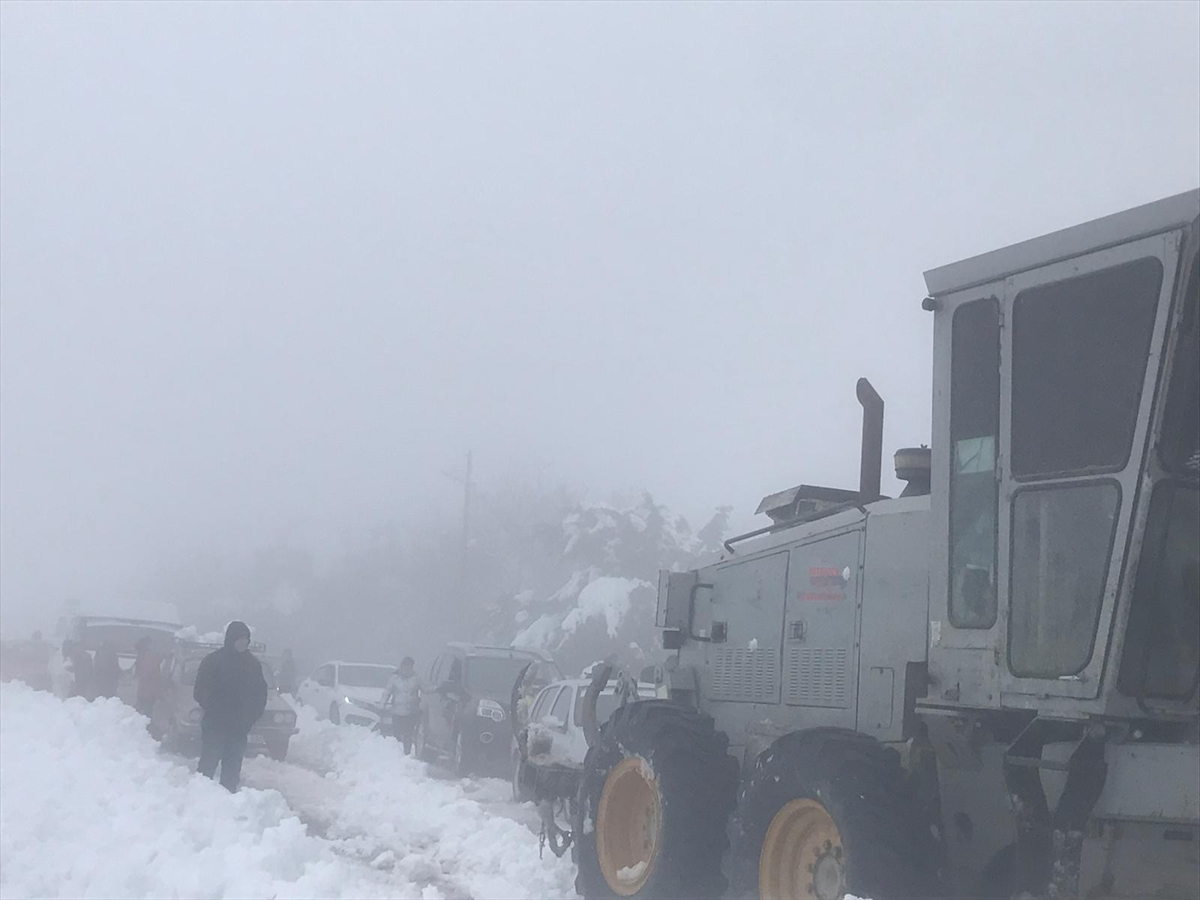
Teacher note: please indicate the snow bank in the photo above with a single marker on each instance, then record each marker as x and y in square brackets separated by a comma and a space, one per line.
[434, 833]
[89, 807]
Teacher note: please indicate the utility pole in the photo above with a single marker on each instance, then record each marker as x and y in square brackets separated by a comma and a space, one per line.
[466, 528]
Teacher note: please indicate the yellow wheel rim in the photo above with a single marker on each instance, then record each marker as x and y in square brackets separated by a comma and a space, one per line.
[802, 856]
[629, 827]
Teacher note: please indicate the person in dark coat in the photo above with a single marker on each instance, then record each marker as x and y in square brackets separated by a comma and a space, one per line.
[232, 691]
[107, 670]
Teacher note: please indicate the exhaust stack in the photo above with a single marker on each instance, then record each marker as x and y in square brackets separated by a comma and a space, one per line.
[870, 471]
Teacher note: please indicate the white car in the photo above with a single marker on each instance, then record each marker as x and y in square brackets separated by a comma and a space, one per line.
[349, 692]
[553, 738]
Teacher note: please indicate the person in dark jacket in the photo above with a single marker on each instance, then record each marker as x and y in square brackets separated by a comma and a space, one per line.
[232, 691]
[107, 670]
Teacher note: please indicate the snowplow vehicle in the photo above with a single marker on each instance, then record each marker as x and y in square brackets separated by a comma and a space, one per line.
[985, 687]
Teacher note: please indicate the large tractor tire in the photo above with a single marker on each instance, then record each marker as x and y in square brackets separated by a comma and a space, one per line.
[657, 791]
[831, 813]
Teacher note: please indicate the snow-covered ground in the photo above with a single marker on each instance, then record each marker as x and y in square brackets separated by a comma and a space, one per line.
[91, 807]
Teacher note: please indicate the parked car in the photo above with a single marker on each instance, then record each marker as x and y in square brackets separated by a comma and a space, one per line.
[465, 714]
[548, 751]
[349, 692]
[177, 715]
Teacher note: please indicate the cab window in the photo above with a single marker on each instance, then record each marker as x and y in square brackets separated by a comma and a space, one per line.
[974, 428]
[1079, 356]
[1061, 539]
[1162, 645]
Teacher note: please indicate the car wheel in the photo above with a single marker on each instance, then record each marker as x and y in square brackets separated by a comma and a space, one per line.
[335, 714]
[461, 766]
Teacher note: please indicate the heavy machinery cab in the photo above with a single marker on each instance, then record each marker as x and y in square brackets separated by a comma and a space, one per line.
[987, 686]
[1066, 452]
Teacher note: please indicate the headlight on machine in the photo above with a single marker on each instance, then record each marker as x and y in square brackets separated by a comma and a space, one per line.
[195, 714]
[490, 709]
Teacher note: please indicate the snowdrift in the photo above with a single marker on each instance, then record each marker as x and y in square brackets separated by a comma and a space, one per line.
[436, 833]
[90, 808]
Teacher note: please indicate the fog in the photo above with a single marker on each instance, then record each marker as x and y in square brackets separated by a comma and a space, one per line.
[268, 271]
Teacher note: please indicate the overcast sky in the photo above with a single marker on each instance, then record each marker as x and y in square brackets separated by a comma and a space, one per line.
[268, 269]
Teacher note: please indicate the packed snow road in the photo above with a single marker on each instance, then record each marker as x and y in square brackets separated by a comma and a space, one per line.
[90, 806]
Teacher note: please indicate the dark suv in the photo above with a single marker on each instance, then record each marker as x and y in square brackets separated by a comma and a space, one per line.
[465, 716]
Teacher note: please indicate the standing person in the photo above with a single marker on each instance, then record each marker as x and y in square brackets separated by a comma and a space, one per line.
[403, 693]
[107, 670]
[79, 662]
[287, 674]
[147, 669]
[232, 691]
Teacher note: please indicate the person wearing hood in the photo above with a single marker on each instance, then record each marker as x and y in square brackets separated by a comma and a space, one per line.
[232, 691]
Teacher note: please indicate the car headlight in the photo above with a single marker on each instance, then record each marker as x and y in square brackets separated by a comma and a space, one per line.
[195, 714]
[362, 704]
[490, 709]
[283, 717]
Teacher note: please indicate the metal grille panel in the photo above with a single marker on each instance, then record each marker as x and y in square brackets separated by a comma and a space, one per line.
[745, 675]
[816, 677]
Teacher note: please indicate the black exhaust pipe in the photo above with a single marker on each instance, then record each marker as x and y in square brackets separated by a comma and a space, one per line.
[870, 470]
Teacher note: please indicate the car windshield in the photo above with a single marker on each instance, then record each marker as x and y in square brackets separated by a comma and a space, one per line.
[606, 705]
[494, 674]
[364, 676]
